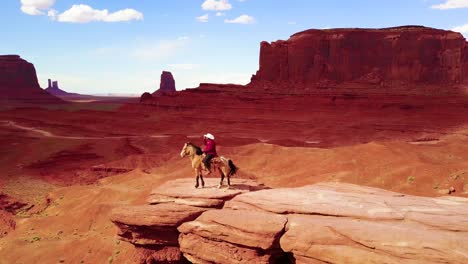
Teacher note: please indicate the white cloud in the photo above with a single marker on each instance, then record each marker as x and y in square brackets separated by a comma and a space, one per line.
[86, 14]
[184, 66]
[218, 14]
[36, 7]
[203, 18]
[183, 38]
[52, 13]
[451, 4]
[214, 5]
[244, 19]
[292, 23]
[462, 29]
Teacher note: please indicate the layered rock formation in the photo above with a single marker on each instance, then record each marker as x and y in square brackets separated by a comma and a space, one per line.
[53, 89]
[321, 223]
[152, 228]
[167, 84]
[345, 223]
[388, 57]
[166, 87]
[18, 81]
[465, 63]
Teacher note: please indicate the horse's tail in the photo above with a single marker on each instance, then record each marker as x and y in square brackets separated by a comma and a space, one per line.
[232, 168]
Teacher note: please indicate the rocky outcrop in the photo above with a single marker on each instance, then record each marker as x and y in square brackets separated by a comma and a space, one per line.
[465, 64]
[53, 89]
[389, 57]
[145, 97]
[152, 228]
[344, 223]
[167, 84]
[8, 208]
[233, 236]
[18, 81]
[321, 223]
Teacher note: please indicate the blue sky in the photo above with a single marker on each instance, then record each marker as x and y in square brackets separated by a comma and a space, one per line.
[123, 50]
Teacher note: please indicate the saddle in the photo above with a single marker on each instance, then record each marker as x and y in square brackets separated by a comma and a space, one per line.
[214, 162]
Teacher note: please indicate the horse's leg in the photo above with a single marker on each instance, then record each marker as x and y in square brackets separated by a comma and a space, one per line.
[198, 173]
[222, 178]
[227, 172]
[202, 181]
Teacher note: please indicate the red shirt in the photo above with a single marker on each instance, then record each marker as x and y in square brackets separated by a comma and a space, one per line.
[210, 147]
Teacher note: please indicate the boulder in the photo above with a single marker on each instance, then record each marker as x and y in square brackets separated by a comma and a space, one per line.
[232, 236]
[153, 224]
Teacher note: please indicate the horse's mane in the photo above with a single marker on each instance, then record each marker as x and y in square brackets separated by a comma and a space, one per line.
[198, 150]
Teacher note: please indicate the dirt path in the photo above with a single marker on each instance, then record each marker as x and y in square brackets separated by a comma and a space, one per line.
[48, 134]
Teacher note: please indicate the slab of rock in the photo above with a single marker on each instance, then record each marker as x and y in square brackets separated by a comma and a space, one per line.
[181, 191]
[200, 250]
[153, 224]
[344, 223]
[349, 240]
[251, 229]
[152, 228]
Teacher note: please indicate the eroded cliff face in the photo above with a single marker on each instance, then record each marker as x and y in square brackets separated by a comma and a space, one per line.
[18, 81]
[167, 84]
[376, 57]
[465, 64]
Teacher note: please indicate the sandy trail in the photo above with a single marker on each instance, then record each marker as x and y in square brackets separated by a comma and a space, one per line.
[48, 134]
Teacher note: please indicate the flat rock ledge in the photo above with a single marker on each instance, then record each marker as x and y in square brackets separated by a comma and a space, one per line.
[152, 227]
[320, 223]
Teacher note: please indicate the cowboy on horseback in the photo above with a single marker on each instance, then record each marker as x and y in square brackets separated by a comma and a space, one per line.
[209, 150]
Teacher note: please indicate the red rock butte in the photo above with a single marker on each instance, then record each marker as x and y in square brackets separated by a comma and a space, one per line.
[18, 81]
[388, 57]
[167, 83]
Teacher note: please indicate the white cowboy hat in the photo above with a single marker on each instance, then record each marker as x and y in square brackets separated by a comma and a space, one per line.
[210, 136]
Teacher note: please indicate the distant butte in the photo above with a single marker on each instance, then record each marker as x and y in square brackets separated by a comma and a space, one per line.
[388, 57]
[167, 84]
[18, 82]
[53, 89]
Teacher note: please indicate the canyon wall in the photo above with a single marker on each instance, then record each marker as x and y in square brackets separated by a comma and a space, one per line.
[18, 81]
[387, 57]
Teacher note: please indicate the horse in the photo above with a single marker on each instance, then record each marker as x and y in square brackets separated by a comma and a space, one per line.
[225, 166]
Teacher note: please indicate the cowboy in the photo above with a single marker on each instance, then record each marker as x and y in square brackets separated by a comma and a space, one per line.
[209, 149]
